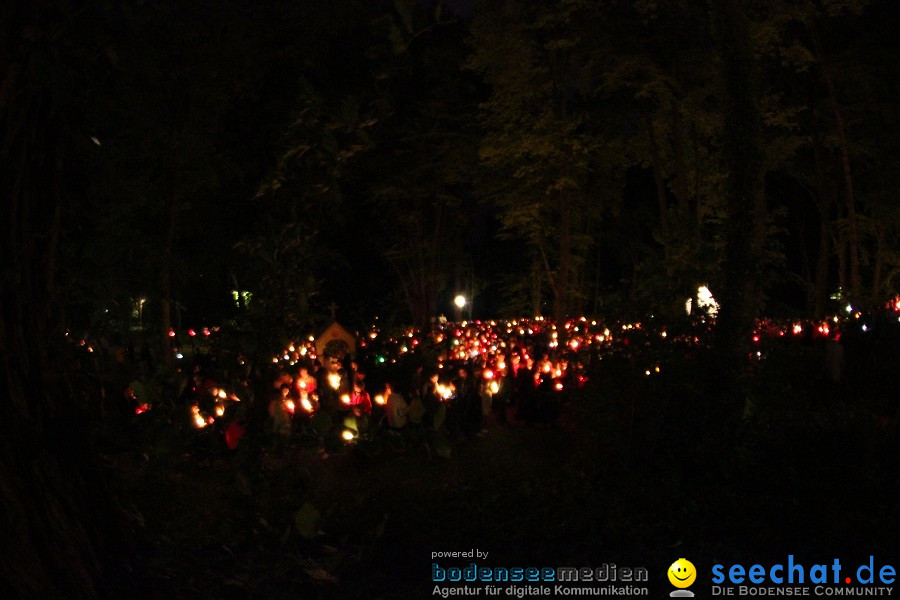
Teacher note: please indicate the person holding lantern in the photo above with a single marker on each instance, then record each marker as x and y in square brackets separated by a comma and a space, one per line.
[396, 408]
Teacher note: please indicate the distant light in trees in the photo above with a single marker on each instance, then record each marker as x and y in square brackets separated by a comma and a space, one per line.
[459, 301]
[705, 302]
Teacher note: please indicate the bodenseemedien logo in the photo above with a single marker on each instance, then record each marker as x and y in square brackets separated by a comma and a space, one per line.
[682, 574]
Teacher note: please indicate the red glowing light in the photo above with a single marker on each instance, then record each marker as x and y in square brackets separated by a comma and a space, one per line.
[171, 333]
[191, 332]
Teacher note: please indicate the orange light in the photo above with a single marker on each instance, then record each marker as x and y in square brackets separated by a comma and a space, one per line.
[334, 380]
[379, 399]
[199, 421]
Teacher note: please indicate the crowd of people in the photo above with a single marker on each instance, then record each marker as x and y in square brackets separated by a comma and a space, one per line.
[452, 378]
[455, 397]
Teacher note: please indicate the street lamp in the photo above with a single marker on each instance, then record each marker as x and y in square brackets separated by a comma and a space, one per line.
[460, 302]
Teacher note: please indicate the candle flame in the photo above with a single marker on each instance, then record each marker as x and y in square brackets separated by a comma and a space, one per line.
[334, 380]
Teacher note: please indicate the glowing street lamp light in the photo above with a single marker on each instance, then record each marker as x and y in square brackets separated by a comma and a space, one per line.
[460, 303]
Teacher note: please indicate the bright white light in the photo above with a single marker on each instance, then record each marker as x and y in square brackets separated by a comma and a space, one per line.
[459, 301]
[848, 308]
[705, 302]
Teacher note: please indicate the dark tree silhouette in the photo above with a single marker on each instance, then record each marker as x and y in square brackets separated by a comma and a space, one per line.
[59, 520]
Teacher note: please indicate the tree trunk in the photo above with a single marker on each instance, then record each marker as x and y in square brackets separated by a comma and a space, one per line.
[60, 523]
[849, 199]
[563, 279]
[743, 150]
[879, 261]
[661, 196]
[165, 281]
[824, 202]
[536, 280]
[698, 178]
[842, 259]
[681, 176]
[821, 290]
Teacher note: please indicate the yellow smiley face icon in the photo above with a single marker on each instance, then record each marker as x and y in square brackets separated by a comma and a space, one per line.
[682, 573]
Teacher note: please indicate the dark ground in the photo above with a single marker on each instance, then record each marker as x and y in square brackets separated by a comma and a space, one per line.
[637, 472]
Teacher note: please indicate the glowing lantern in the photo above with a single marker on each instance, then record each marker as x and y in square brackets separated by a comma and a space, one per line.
[347, 435]
[199, 421]
[334, 380]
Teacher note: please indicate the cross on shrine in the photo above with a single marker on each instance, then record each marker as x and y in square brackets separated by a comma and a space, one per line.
[333, 308]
